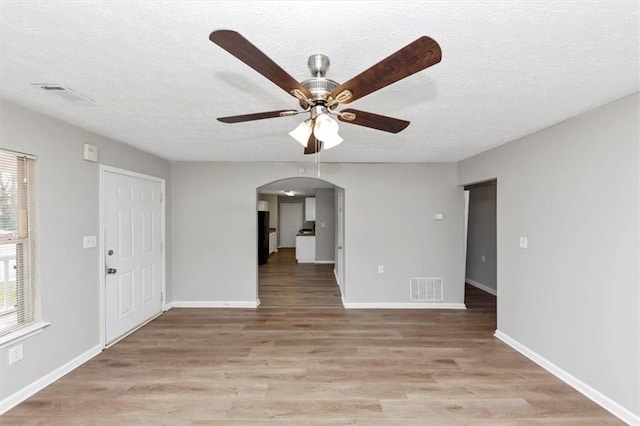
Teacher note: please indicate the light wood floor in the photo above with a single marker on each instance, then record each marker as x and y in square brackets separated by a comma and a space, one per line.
[301, 359]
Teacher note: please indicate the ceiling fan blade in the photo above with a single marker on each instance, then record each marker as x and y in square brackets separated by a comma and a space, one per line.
[374, 121]
[313, 145]
[416, 56]
[257, 116]
[242, 49]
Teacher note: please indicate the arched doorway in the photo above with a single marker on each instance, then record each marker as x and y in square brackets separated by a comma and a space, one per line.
[305, 217]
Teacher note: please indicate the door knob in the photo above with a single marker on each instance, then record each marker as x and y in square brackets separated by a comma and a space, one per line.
[111, 271]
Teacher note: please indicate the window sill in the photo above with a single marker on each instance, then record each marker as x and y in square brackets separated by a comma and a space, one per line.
[22, 334]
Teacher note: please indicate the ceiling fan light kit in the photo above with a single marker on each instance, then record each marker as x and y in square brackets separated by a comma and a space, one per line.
[319, 96]
[326, 130]
[302, 132]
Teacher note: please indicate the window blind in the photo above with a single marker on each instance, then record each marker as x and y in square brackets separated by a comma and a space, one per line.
[18, 242]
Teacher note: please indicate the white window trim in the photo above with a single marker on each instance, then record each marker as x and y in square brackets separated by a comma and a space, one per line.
[36, 325]
[22, 334]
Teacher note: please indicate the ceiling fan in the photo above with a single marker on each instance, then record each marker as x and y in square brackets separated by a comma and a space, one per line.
[319, 96]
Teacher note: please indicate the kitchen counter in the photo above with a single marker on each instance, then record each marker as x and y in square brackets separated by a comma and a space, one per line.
[306, 247]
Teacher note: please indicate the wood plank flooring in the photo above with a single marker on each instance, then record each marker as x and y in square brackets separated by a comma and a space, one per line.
[286, 283]
[302, 359]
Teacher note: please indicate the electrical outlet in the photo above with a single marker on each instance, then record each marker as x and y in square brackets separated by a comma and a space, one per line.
[483, 259]
[381, 269]
[524, 242]
[15, 353]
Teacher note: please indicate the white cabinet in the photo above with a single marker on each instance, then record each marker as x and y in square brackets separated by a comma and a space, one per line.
[310, 209]
[306, 249]
[273, 242]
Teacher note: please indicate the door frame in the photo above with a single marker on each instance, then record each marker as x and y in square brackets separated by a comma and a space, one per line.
[101, 246]
[340, 246]
[467, 195]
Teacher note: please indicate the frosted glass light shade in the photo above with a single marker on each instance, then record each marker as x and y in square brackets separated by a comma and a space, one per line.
[331, 141]
[326, 130]
[302, 132]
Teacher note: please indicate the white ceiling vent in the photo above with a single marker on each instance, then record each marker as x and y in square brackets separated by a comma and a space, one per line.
[426, 289]
[65, 92]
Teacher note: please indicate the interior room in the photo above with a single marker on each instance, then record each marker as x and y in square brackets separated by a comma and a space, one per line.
[221, 213]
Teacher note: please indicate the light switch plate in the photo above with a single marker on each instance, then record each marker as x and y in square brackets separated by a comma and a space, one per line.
[438, 216]
[90, 241]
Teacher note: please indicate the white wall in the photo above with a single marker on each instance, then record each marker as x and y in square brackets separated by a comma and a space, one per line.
[325, 232]
[573, 295]
[68, 199]
[389, 221]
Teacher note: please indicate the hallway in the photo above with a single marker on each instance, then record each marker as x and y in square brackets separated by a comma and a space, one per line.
[285, 283]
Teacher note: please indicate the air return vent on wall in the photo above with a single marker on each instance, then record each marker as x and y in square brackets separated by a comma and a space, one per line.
[65, 92]
[426, 289]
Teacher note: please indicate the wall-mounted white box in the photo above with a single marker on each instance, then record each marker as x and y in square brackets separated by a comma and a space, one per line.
[90, 153]
[90, 241]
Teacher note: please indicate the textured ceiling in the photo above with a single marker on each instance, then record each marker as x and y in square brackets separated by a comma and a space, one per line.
[509, 68]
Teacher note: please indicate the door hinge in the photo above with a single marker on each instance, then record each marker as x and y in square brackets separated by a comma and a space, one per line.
[161, 197]
[162, 296]
[161, 247]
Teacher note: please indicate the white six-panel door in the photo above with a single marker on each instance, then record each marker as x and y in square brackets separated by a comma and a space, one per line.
[133, 252]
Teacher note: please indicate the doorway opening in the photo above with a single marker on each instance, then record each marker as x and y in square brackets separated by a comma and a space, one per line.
[304, 265]
[481, 283]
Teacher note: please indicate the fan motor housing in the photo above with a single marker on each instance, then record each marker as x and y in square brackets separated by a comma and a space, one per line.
[320, 89]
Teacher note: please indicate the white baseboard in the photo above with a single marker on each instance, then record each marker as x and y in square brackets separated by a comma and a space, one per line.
[591, 393]
[481, 286]
[215, 304]
[335, 275]
[324, 262]
[29, 390]
[421, 305]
